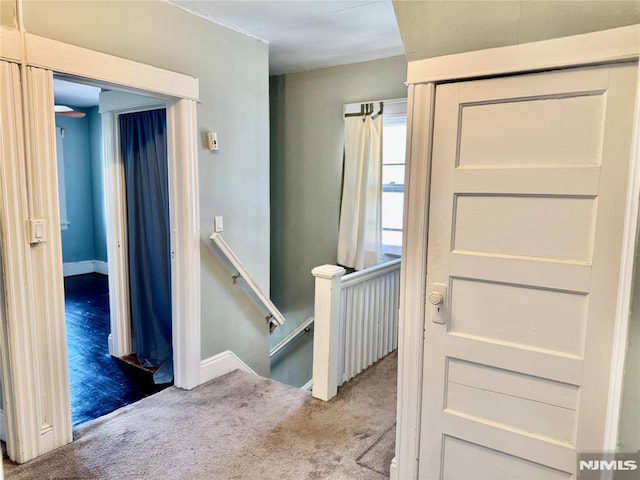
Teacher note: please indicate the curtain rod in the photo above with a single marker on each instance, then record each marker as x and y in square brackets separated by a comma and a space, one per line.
[366, 109]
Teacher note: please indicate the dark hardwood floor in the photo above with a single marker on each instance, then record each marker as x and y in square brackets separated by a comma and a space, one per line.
[99, 383]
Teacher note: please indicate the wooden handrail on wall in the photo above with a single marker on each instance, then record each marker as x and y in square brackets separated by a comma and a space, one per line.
[304, 327]
[240, 276]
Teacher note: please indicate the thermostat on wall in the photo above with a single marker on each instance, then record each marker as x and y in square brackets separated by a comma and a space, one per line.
[212, 141]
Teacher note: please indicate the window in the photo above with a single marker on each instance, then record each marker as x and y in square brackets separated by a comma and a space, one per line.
[394, 133]
[394, 136]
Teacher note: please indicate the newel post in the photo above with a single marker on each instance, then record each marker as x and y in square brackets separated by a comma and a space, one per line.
[326, 331]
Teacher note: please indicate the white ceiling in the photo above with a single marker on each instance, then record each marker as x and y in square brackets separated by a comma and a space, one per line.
[309, 34]
[74, 94]
[302, 34]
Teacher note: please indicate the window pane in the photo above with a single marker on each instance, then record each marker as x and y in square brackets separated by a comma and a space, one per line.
[393, 174]
[393, 158]
[394, 143]
[392, 238]
[392, 209]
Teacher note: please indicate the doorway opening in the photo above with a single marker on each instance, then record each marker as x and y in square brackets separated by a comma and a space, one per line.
[99, 381]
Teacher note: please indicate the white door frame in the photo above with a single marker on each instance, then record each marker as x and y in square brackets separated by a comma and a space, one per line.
[609, 46]
[181, 93]
[112, 105]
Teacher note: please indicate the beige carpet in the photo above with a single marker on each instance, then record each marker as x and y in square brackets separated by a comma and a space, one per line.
[239, 426]
[380, 454]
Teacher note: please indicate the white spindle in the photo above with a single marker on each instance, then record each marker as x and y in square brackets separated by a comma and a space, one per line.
[356, 322]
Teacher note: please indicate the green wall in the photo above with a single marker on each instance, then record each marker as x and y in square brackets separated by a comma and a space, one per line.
[234, 182]
[306, 175]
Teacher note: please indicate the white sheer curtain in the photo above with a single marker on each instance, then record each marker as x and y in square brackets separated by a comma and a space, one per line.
[360, 233]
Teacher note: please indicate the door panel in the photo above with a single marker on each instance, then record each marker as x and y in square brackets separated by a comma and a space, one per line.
[534, 130]
[563, 232]
[549, 319]
[468, 460]
[527, 202]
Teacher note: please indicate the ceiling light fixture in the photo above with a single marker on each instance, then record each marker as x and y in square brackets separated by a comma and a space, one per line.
[68, 111]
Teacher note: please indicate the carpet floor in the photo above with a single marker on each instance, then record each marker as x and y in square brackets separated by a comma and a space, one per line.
[238, 426]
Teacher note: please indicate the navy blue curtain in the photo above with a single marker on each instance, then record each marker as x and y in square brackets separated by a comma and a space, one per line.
[144, 151]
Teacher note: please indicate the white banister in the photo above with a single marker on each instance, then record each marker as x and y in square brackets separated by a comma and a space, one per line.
[370, 273]
[356, 322]
[326, 336]
[240, 276]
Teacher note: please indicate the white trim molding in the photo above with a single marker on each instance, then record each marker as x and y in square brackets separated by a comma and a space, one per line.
[112, 104]
[70, 269]
[17, 302]
[184, 213]
[47, 343]
[100, 267]
[10, 45]
[393, 469]
[221, 364]
[94, 66]
[308, 386]
[609, 46]
[101, 67]
[628, 269]
[413, 279]
[120, 343]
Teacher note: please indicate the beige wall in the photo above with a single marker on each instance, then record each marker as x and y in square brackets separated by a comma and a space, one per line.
[7, 13]
[436, 28]
[306, 173]
[234, 182]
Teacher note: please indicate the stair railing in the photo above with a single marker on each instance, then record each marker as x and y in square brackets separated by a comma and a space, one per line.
[356, 322]
[240, 276]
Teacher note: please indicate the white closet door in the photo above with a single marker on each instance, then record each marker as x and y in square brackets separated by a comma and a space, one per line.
[528, 191]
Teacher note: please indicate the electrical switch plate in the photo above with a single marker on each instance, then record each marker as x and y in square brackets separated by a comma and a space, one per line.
[38, 232]
[218, 226]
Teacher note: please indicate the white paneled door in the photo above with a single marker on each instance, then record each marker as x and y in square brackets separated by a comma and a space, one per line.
[528, 193]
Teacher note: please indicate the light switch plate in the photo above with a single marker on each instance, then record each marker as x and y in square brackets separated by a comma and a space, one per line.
[218, 225]
[38, 232]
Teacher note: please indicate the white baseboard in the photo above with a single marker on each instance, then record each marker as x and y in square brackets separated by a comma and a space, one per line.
[308, 386]
[221, 364]
[88, 266]
[101, 267]
[393, 469]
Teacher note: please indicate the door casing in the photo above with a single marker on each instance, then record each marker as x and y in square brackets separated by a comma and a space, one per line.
[112, 105]
[609, 46]
[180, 92]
